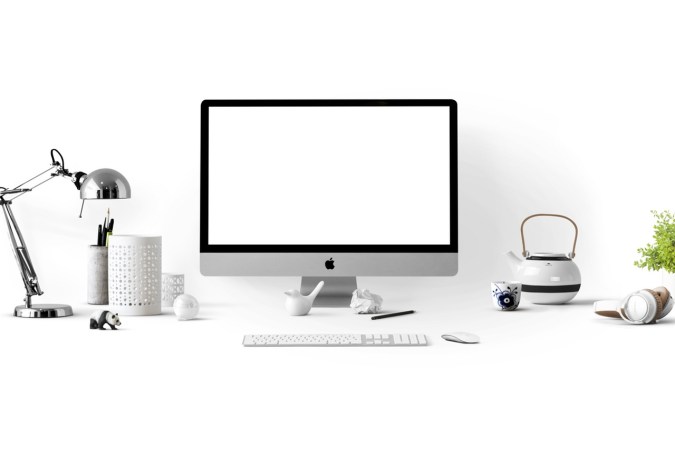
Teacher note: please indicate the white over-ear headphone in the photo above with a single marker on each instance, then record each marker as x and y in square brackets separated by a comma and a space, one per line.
[645, 306]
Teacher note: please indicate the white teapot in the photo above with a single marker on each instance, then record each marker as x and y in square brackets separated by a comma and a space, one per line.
[547, 278]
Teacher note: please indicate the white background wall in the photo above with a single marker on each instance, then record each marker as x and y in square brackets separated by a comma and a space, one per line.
[563, 107]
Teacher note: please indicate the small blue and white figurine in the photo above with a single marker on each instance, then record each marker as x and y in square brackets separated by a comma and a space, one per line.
[100, 318]
[506, 295]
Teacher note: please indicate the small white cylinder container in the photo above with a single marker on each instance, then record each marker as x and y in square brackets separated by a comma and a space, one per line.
[173, 285]
[135, 274]
[97, 275]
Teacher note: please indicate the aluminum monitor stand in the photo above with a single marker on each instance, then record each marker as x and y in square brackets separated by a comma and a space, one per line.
[336, 292]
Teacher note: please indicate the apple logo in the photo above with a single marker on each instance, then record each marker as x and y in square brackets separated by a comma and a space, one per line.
[330, 264]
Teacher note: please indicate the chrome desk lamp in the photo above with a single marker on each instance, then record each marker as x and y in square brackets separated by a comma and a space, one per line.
[101, 184]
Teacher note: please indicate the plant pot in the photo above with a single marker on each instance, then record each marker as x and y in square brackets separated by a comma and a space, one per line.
[668, 281]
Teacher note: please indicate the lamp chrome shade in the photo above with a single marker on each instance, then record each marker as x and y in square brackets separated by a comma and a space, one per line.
[105, 184]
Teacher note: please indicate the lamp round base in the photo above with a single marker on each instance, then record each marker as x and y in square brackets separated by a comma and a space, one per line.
[43, 311]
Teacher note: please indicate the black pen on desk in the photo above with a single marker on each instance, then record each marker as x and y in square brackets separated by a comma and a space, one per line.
[388, 315]
[98, 235]
[111, 224]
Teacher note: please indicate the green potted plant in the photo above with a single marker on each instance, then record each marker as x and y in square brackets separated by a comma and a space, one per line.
[660, 254]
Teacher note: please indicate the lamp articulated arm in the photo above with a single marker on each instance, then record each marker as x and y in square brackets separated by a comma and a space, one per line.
[21, 255]
[30, 279]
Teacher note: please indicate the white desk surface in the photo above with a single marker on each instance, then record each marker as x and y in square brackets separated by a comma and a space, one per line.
[543, 376]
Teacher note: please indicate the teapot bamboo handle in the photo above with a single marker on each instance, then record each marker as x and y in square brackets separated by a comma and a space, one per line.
[576, 231]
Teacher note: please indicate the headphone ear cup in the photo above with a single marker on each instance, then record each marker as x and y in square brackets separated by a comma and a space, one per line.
[659, 301]
[666, 300]
[640, 307]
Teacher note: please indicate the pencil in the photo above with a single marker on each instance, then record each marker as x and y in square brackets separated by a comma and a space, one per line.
[387, 315]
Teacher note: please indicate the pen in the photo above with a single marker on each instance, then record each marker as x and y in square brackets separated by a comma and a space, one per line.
[98, 235]
[111, 223]
[377, 317]
[104, 231]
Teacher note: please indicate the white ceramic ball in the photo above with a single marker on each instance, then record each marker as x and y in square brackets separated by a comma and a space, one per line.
[186, 307]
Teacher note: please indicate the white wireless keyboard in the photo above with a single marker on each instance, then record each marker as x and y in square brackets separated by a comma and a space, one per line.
[277, 340]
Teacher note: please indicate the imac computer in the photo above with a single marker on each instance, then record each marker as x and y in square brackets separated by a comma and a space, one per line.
[328, 190]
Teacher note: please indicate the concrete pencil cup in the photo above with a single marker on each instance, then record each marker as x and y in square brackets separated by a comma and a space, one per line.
[135, 274]
[97, 275]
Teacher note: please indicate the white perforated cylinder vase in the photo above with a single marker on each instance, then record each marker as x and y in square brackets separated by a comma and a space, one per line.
[135, 274]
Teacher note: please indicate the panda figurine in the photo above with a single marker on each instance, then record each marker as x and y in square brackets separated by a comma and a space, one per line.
[100, 318]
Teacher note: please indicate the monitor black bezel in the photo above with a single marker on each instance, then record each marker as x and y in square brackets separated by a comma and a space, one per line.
[204, 245]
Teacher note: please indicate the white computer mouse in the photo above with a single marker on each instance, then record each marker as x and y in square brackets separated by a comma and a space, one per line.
[461, 337]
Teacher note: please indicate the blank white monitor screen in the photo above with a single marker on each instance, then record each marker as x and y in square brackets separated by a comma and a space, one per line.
[329, 176]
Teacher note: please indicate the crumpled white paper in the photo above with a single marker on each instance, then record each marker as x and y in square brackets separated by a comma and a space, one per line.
[365, 302]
